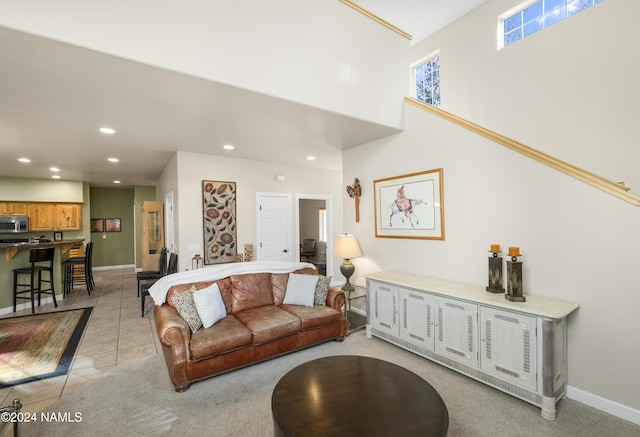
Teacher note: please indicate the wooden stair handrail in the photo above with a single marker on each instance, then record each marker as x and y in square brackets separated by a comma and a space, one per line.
[376, 18]
[594, 180]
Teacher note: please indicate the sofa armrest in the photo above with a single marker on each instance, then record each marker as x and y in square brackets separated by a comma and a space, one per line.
[336, 298]
[174, 335]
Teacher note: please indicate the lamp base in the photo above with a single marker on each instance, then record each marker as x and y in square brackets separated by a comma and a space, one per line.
[347, 269]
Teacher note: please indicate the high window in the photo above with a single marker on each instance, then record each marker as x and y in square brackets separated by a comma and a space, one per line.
[426, 78]
[537, 15]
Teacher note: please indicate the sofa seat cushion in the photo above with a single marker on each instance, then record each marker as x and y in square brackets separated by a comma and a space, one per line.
[226, 335]
[313, 317]
[268, 323]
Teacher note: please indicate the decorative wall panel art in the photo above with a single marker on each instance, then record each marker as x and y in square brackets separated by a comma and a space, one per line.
[219, 222]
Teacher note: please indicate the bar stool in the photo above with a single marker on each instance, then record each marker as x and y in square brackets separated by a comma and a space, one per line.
[44, 256]
[78, 270]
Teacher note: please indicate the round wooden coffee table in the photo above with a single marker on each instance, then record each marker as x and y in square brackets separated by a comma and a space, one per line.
[351, 395]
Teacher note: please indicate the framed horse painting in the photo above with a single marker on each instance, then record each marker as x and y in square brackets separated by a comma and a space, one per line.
[410, 206]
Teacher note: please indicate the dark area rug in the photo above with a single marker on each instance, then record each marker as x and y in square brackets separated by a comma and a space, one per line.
[39, 346]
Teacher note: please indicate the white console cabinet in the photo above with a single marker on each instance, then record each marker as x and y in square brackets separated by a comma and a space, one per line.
[517, 347]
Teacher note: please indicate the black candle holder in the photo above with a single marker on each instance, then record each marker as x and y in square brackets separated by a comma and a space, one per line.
[495, 273]
[514, 281]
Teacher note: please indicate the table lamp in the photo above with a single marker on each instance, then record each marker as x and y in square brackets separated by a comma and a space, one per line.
[347, 247]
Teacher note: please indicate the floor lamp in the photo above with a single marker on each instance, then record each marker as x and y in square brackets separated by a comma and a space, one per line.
[347, 247]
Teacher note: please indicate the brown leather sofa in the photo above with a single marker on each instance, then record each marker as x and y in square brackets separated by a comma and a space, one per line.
[251, 300]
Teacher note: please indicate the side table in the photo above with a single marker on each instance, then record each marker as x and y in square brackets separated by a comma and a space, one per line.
[355, 320]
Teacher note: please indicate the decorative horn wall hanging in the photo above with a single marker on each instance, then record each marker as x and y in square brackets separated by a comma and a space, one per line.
[355, 191]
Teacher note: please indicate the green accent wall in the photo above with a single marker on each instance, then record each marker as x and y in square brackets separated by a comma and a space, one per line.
[113, 248]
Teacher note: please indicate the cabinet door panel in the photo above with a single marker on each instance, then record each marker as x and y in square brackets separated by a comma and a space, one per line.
[69, 217]
[384, 301]
[417, 318]
[17, 208]
[42, 216]
[509, 346]
[457, 332]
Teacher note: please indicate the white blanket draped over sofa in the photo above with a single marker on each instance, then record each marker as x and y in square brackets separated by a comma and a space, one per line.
[158, 291]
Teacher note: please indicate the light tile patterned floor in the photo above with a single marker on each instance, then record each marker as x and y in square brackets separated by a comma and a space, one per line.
[115, 334]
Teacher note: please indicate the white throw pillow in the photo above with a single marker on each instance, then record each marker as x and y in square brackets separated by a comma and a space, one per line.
[209, 305]
[300, 289]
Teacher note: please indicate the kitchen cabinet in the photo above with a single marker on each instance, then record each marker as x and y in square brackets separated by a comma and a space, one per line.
[519, 348]
[69, 217]
[13, 208]
[42, 216]
[58, 217]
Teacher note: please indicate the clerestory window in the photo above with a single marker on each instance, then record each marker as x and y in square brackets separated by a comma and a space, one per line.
[537, 15]
[426, 77]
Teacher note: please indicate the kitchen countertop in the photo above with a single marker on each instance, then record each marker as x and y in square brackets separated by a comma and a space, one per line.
[11, 249]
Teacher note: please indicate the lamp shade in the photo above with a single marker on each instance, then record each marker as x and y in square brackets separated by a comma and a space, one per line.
[347, 247]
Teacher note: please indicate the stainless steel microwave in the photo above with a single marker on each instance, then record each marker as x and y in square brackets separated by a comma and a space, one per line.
[14, 224]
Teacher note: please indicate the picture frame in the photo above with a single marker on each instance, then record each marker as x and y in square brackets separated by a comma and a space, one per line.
[410, 206]
[219, 222]
[57, 236]
[97, 225]
[112, 225]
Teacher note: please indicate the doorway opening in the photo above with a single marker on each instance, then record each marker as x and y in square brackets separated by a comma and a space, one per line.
[313, 222]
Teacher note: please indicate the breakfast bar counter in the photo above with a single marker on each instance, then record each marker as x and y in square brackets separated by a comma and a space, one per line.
[16, 255]
[11, 249]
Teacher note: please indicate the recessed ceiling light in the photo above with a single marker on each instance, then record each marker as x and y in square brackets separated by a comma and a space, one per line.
[311, 158]
[107, 130]
[113, 160]
[25, 160]
[116, 182]
[228, 147]
[56, 176]
[54, 169]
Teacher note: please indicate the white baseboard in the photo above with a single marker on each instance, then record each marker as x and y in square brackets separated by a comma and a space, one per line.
[600, 403]
[124, 266]
[27, 305]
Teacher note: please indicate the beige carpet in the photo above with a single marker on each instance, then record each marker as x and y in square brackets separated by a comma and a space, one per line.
[138, 400]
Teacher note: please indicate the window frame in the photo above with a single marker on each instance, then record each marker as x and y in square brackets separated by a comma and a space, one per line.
[322, 224]
[412, 73]
[520, 8]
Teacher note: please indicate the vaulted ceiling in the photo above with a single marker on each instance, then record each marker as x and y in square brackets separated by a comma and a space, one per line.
[54, 96]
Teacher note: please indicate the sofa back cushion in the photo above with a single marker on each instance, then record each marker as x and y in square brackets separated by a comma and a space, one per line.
[279, 286]
[223, 284]
[250, 291]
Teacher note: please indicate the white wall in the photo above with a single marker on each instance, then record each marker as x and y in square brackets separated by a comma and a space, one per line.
[319, 53]
[250, 177]
[570, 90]
[579, 244]
[167, 183]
